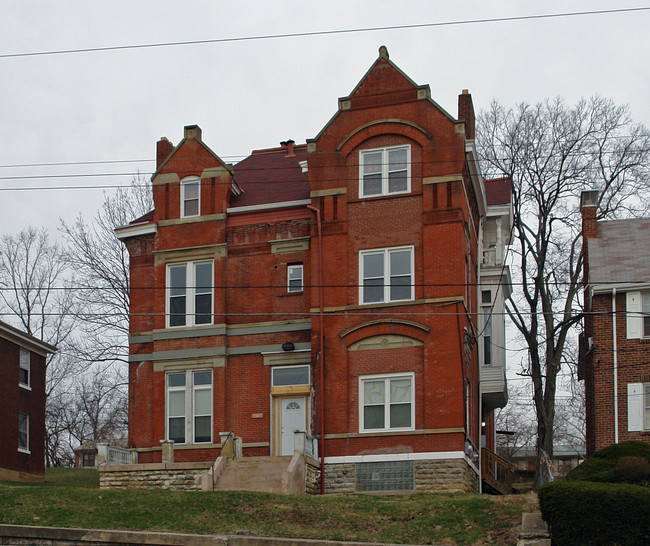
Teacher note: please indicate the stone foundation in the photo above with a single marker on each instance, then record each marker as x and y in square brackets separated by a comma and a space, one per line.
[312, 477]
[177, 476]
[444, 475]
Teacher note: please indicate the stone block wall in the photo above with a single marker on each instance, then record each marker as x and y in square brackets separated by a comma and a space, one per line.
[312, 477]
[446, 475]
[176, 476]
[449, 475]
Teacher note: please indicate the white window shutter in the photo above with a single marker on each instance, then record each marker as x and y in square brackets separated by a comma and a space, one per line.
[634, 316]
[634, 407]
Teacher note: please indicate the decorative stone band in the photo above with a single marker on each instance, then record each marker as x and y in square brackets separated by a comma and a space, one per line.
[389, 457]
[211, 352]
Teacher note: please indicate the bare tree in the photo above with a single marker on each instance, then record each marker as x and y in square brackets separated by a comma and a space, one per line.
[99, 409]
[35, 295]
[552, 152]
[101, 265]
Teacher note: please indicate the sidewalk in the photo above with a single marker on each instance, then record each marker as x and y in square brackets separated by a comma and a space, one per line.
[37, 536]
[534, 531]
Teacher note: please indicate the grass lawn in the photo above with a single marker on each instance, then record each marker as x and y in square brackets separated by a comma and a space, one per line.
[71, 498]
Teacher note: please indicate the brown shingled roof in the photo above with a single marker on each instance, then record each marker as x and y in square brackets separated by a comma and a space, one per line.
[271, 176]
[498, 191]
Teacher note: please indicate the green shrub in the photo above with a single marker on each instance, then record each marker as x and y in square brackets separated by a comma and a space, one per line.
[596, 513]
[603, 466]
[633, 469]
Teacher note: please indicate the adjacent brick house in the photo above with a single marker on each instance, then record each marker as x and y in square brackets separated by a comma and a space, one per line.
[614, 358]
[332, 287]
[22, 404]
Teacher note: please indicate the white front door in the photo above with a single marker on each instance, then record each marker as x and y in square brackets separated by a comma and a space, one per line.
[293, 416]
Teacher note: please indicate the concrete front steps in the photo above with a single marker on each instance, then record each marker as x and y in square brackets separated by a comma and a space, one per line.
[264, 474]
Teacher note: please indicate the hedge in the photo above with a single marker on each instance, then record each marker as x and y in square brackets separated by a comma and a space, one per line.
[580, 512]
[602, 466]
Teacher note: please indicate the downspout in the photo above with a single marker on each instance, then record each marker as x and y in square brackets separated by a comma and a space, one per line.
[479, 259]
[322, 347]
[615, 355]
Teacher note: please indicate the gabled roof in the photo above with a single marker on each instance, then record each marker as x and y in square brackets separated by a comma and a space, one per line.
[191, 132]
[399, 86]
[25, 340]
[271, 176]
[498, 191]
[144, 218]
[620, 252]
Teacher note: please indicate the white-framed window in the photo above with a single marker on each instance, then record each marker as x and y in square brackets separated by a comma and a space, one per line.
[386, 275]
[189, 406]
[637, 307]
[23, 432]
[386, 402]
[294, 278]
[385, 171]
[190, 197]
[189, 294]
[286, 376]
[24, 370]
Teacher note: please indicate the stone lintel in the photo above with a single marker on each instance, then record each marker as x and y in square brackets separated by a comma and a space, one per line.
[190, 253]
[441, 179]
[165, 178]
[191, 220]
[328, 192]
[286, 246]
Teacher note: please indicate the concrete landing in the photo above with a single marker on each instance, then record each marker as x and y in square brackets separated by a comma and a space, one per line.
[534, 531]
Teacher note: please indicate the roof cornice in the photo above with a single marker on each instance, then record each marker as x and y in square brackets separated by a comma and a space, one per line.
[25, 340]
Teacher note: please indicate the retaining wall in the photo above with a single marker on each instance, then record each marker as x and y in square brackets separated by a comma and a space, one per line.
[178, 476]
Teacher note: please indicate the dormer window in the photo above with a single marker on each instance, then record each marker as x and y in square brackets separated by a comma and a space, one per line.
[190, 196]
[384, 171]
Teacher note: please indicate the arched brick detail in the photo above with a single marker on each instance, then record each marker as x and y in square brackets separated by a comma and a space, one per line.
[385, 127]
[384, 327]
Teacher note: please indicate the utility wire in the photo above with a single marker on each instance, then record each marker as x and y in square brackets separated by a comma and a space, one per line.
[323, 32]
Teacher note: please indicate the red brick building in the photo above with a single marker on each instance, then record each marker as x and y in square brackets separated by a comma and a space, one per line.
[615, 364]
[331, 287]
[22, 404]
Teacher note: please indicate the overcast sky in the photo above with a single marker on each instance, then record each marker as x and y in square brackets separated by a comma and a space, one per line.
[114, 105]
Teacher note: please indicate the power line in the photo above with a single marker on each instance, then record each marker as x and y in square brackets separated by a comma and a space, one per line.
[323, 32]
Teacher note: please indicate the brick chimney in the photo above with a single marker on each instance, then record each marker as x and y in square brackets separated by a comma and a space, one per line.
[163, 148]
[288, 146]
[588, 208]
[466, 114]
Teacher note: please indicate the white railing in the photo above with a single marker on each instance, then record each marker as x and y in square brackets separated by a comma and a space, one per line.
[107, 454]
[119, 455]
[303, 443]
[490, 257]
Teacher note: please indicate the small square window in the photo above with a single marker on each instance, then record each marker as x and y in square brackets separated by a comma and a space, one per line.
[88, 459]
[486, 296]
[294, 278]
[24, 371]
